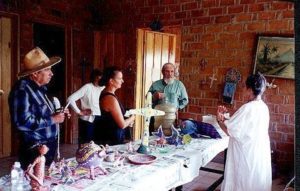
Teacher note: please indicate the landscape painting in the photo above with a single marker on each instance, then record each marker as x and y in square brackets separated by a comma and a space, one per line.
[275, 56]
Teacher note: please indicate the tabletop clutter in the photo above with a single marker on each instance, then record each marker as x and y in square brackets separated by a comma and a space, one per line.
[92, 161]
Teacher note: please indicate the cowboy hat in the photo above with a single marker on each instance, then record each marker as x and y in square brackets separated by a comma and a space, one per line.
[36, 60]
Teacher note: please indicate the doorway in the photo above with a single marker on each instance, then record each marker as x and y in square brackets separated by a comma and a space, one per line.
[51, 39]
[153, 50]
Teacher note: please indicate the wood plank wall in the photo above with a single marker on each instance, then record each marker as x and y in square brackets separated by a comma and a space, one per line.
[5, 84]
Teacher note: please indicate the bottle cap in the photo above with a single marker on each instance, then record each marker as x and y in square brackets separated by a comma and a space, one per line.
[17, 164]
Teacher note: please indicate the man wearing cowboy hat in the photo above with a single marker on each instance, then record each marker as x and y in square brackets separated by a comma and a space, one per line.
[32, 112]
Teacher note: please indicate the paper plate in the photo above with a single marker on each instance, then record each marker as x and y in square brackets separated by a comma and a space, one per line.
[141, 159]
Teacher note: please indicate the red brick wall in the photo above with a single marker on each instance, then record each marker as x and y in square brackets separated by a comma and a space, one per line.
[223, 32]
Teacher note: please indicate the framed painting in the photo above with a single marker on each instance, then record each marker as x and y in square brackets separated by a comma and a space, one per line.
[275, 57]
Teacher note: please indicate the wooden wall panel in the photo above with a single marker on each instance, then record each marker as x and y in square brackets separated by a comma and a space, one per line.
[139, 83]
[119, 51]
[172, 49]
[156, 69]
[110, 50]
[97, 48]
[5, 84]
[1, 96]
[149, 59]
[165, 49]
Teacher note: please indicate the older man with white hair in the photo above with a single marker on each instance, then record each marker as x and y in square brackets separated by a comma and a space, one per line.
[169, 88]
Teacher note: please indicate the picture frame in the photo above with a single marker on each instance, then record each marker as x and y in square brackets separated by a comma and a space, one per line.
[275, 57]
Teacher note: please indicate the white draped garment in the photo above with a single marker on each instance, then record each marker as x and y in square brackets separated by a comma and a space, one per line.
[248, 164]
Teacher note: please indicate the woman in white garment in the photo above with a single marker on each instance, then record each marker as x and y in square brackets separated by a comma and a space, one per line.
[89, 110]
[248, 164]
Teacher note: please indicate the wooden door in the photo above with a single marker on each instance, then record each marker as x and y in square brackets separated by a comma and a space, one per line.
[110, 50]
[153, 50]
[5, 85]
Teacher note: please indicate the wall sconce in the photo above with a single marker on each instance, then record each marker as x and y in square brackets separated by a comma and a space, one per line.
[130, 66]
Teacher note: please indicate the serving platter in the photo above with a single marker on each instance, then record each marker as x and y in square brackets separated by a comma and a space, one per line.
[141, 159]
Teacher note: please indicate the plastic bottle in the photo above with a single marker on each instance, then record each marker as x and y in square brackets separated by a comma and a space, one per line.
[17, 175]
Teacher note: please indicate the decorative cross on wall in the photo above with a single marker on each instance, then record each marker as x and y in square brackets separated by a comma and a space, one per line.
[203, 63]
[212, 79]
[271, 85]
[147, 112]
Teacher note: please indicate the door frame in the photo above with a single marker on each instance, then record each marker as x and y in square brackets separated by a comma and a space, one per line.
[67, 125]
[9, 132]
[140, 86]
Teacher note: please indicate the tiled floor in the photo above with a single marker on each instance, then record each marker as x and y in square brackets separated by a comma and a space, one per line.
[203, 181]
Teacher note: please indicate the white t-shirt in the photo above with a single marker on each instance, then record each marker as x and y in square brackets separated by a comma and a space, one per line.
[89, 98]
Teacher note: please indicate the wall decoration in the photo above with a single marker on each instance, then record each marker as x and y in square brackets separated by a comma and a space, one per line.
[275, 56]
[271, 85]
[232, 78]
[212, 79]
[203, 63]
[156, 25]
[130, 63]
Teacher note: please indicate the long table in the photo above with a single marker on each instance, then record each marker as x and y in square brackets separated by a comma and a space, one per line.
[174, 166]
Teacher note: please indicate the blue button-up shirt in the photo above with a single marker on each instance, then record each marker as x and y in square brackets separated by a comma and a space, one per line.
[175, 92]
[31, 111]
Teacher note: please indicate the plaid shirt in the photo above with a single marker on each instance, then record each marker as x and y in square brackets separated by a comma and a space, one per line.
[31, 111]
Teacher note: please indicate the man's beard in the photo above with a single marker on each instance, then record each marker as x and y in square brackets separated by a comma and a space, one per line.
[169, 80]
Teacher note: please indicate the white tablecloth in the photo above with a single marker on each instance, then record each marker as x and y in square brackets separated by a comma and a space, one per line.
[179, 165]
